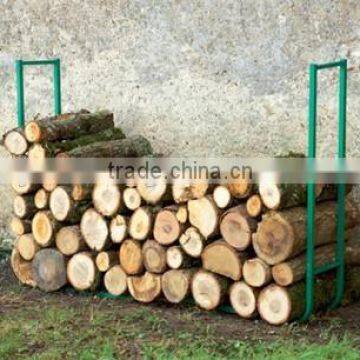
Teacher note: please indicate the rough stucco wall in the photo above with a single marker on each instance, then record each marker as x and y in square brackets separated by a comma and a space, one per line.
[204, 77]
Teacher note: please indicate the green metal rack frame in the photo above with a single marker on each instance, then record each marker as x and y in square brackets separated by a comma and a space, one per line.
[338, 264]
[19, 69]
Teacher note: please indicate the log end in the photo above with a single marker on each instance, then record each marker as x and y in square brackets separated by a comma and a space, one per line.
[243, 299]
[33, 132]
[115, 281]
[282, 274]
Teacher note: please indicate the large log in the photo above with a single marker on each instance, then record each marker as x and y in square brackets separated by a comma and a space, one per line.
[22, 183]
[106, 198]
[82, 272]
[74, 126]
[106, 259]
[176, 258]
[69, 240]
[152, 187]
[185, 189]
[243, 299]
[118, 228]
[145, 288]
[237, 227]
[176, 284]
[277, 304]
[22, 269]
[167, 228]
[27, 246]
[208, 289]
[220, 258]
[291, 271]
[154, 256]
[19, 226]
[24, 207]
[135, 146]
[141, 222]
[204, 215]
[41, 199]
[192, 242]
[115, 280]
[282, 235]
[256, 272]
[49, 268]
[131, 257]
[94, 229]
[44, 228]
[15, 142]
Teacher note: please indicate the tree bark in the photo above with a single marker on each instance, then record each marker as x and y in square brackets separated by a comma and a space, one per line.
[41, 199]
[15, 142]
[154, 256]
[24, 206]
[145, 288]
[243, 299]
[27, 246]
[20, 226]
[192, 242]
[282, 235]
[256, 272]
[106, 259]
[118, 228]
[81, 192]
[22, 269]
[69, 240]
[131, 257]
[115, 280]
[44, 228]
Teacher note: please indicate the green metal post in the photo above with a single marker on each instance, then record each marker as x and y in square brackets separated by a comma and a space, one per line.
[20, 93]
[57, 87]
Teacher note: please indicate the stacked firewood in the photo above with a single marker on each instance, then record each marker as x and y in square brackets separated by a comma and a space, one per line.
[232, 242]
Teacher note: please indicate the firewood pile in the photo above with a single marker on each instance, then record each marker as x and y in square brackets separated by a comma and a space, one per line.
[233, 242]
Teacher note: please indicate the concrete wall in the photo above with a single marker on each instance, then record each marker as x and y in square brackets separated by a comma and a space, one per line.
[204, 77]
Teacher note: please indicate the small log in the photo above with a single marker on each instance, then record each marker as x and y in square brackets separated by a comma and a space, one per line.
[176, 258]
[118, 228]
[19, 226]
[69, 240]
[106, 259]
[132, 198]
[64, 208]
[22, 269]
[282, 235]
[44, 228]
[131, 257]
[82, 271]
[208, 289]
[107, 198]
[152, 188]
[145, 288]
[50, 181]
[204, 215]
[176, 284]
[140, 224]
[41, 199]
[254, 206]
[221, 258]
[182, 214]
[24, 206]
[167, 228]
[27, 246]
[154, 257]
[192, 242]
[243, 299]
[15, 142]
[256, 272]
[22, 183]
[239, 184]
[94, 229]
[185, 189]
[74, 126]
[237, 227]
[49, 268]
[222, 197]
[115, 280]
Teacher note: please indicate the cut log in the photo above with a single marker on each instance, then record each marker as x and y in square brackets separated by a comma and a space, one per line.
[49, 268]
[132, 198]
[107, 198]
[182, 214]
[81, 192]
[131, 257]
[254, 206]
[22, 269]
[185, 189]
[154, 256]
[221, 258]
[167, 228]
[106, 259]
[243, 299]
[192, 242]
[41, 199]
[152, 188]
[222, 197]
[20, 226]
[176, 258]
[278, 305]
[140, 224]
[208, 289]
[15, 142]
[118, 228]
[237, 227]
[82, 271]
[145, 288]
[135, 146]
[50, 181]
[176, 284]
[22, 183]
[27, 246]
[239, 184]
[204, 215]
[256, 272]
[282, 235]
[24, 206]
[94, 229]
[69, 240]
[44, 228]
[115, 281]
[289, 272]
[74, 126]
[64, 208]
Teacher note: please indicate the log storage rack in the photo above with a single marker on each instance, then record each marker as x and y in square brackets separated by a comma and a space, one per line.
[311, 270]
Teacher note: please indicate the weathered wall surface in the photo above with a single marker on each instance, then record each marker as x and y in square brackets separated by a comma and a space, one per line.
[204, 77]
